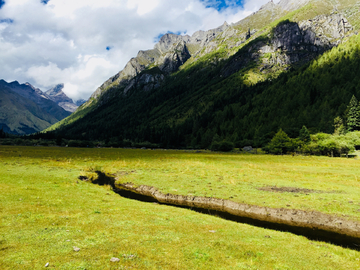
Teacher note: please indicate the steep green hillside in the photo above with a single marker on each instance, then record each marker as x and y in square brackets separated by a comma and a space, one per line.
[20, 115]
[242, 93]
[23, 109]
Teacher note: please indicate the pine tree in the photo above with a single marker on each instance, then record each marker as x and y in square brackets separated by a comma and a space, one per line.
[339, 128]
[2, 133]
[304, 135]
[353, 115]
[280, 143]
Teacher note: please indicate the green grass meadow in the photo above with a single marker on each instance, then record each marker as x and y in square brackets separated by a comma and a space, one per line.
[46, 211]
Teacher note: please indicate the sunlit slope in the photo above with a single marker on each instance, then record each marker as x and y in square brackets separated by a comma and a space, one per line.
[212, 93]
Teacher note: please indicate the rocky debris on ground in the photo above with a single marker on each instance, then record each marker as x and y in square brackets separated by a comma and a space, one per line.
[113, 259]
[76, 249]
[248, 149]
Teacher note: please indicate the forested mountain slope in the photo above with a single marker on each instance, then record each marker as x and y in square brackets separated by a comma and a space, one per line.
[290, 64]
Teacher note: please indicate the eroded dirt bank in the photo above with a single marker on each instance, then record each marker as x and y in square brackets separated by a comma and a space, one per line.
[314, 225]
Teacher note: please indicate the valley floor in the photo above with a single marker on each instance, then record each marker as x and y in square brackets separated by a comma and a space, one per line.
[46, 212]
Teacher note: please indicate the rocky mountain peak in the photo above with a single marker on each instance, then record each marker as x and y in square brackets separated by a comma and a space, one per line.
[16, 83]
[59, 97]
[177, 55]
[168, 55]
[167, 41]
[56, 90]
[268, 6]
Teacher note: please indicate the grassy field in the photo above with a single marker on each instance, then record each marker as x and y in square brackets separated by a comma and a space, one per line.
[45, 211]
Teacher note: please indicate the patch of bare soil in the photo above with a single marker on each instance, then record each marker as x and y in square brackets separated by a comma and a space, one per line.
[293, 190]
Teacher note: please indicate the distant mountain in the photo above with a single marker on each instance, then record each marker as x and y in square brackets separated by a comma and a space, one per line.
[25, 109]
[57, 95]
[287, 65]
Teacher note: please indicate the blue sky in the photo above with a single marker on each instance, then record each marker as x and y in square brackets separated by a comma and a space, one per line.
[223, 4]
[82, 43]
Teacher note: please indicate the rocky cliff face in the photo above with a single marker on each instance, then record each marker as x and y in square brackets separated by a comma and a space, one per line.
[292, 43]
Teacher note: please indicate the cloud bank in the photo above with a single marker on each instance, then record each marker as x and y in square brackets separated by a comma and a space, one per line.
[84, 42]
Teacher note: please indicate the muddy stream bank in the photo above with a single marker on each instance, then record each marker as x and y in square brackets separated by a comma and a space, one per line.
[313, 225]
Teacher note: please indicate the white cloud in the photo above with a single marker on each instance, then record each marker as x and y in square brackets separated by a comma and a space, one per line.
[143, 6]
[66, 41]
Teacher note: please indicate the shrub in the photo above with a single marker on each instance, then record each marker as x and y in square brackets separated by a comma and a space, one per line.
[146, 145]
[43, 143]
[78, 143]
[7, 142]
[332, 145]
[223, 146]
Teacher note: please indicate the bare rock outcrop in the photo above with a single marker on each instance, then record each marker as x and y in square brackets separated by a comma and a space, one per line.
[292, 43]
[177, 55]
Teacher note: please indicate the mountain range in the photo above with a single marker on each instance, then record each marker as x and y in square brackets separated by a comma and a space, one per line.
[25, 109]
[287, 65]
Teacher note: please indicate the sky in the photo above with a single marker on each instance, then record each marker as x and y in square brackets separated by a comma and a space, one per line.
[82, 43]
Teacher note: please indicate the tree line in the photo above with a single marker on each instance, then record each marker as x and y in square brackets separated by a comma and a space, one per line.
[345, 139]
